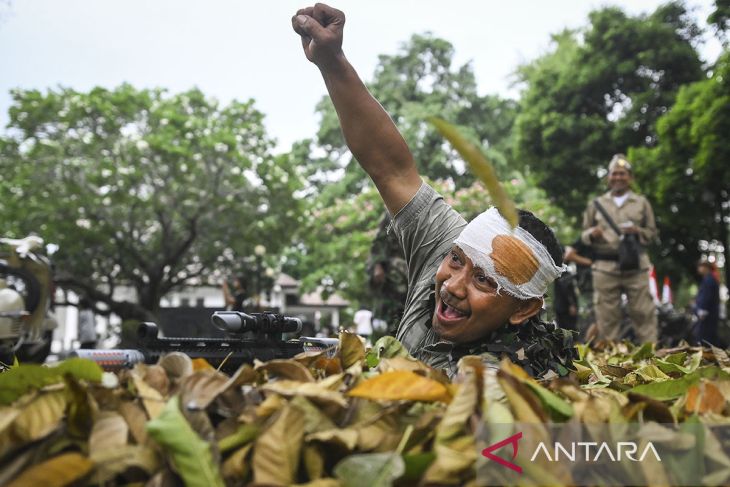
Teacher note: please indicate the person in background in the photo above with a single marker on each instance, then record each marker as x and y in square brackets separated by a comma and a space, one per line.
[707, 305]
[581, 256]
[565, 301]
[363, 323]
[235, 298]
[388, 279]
[86, 331]
[633, 214]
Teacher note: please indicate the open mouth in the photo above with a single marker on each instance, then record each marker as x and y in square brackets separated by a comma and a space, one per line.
[447, 313]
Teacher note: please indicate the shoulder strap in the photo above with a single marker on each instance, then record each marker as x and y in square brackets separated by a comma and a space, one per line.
[609, 220]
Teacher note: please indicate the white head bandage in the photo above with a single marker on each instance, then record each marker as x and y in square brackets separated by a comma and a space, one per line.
[516, 260]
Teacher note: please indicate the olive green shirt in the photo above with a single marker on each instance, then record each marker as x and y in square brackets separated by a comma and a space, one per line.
[426, 229]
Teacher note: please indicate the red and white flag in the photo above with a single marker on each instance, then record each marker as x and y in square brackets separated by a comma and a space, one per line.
[667, 291]
[653, 287]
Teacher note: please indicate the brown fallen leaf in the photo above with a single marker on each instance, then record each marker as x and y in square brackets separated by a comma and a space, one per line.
[287, 369]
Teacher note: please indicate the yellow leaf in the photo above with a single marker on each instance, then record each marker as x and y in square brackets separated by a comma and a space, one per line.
[352, 350]
[110, 432]
[201, 364]
[271, 404]
[57, 472]
[461, 407]
[156, 377]
[525, 406]
[313, 391]
[237, 466]
[276, 453]
[314, 462]
[136, 419]
[346, 438]
[153, 401]
[401, 385]
[704, 397]
[481, 167]
[453, 459]
[41, 416]
[7, 416]
[111, 462]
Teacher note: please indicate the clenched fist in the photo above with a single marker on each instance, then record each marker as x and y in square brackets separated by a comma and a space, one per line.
[320, 28]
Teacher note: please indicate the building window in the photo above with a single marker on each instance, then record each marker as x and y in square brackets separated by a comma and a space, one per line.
[292, 299]
[200, 302]
[184, 302]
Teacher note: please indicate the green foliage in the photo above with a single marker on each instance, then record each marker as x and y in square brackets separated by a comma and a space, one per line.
[719, 19]
[416, 83]
[191, 455]
[20, 379]
[687, 173]
[599, 92]
[144, 188]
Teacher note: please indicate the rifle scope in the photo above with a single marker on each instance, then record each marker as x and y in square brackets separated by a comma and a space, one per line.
[237, 322]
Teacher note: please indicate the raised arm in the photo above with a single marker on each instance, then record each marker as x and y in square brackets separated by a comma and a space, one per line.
[369, 131]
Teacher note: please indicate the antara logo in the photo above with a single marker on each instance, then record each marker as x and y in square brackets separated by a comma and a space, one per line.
[623, 449]
[487, 452]
[592, 451]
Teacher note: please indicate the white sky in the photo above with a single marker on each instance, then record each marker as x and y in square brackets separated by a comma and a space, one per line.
[240, 49]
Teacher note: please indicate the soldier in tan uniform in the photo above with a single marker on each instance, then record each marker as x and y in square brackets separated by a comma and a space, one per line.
[633, 214]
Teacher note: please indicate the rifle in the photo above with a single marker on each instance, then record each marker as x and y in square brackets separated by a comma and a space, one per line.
[228, 353]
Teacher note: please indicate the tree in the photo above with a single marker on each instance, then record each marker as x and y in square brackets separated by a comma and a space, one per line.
[599, 92]
[144, 189]
[719, 19]
[417, 82]
[688, 172]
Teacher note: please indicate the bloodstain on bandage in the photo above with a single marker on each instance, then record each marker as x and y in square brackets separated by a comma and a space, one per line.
[513, 259]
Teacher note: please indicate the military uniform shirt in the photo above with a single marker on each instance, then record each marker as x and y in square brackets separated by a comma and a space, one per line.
[426, 229]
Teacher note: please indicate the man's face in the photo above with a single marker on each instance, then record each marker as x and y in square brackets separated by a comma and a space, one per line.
[619, 180]
[467, 304]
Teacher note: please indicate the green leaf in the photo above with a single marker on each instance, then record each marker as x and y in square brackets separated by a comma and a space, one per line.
[243, 435]
[481, 167]
[370, 470]
[416, 465]
[25, 377]
[651, 373]
[559, 408]
[673, 363]
[191, 455]
[646, 351]
[671, 389]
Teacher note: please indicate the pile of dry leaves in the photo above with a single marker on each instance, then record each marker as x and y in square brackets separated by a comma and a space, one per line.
[355, 418]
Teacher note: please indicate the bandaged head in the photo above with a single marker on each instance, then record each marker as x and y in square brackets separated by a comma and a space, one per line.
[516, 260]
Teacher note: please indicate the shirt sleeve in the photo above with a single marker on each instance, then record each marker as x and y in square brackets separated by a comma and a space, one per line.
[426, 229]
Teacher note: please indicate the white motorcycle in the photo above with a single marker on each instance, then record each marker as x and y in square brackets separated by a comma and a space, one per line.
[26, 293]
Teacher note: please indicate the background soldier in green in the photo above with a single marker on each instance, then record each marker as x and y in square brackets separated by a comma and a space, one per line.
[388, 278]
